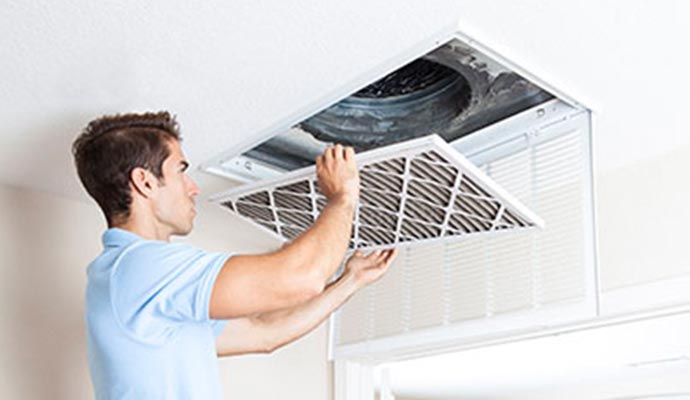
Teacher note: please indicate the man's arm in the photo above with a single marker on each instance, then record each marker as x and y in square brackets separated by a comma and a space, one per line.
[266, 332]
[251, 284]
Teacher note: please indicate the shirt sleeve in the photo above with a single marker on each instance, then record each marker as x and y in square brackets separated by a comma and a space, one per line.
[157, 286]
[218, 325]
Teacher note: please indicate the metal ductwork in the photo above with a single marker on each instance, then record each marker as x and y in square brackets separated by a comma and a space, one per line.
[452, 91]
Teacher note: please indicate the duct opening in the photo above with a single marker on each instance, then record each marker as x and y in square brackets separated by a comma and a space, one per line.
[413, 77]
[421, 97]
[451, 91]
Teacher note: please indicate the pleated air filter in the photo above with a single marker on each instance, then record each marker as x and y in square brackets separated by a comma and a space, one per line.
[411, 192]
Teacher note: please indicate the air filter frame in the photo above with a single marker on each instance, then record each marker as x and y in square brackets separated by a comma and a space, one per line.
[416, 218]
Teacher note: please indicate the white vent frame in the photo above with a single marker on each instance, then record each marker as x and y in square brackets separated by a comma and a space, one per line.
[541, 124]
[423, 211]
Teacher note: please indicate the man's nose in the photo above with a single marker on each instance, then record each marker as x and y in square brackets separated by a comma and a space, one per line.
[193, 188]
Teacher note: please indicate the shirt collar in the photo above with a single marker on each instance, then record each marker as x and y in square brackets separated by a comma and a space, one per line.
[116, 237]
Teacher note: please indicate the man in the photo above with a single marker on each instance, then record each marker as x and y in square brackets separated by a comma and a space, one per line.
[158, 313]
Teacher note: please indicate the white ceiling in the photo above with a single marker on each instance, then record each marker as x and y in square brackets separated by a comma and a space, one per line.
[230, 70]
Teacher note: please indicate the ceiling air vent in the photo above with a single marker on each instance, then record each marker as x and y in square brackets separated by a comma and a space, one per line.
[451, 89]
[414, 191]
[462, 277]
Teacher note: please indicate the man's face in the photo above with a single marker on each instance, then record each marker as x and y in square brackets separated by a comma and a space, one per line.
[174, 205]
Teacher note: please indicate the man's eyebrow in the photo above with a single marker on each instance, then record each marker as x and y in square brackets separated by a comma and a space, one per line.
[184, 164]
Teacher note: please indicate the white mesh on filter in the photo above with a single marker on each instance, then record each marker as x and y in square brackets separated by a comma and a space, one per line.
[411, 192]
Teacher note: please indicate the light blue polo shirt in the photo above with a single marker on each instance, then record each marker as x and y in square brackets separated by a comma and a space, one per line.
[149, 335]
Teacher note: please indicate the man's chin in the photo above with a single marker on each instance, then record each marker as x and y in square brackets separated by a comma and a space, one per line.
[184, 230]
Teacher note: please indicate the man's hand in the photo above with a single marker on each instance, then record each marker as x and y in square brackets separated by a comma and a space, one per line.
[337, 172]
[306, 263]
[265, 332]
[370, 268]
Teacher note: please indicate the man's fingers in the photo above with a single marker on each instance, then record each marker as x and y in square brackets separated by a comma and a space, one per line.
[327, 155]
[349, 153]
[338, 152]
[383, 255]
[379, 256]
[373, 255]
[389, 256]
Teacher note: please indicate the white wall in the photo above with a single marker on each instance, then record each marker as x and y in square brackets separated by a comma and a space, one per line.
[46, 243]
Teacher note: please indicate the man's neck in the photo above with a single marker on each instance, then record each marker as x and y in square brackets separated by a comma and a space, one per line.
[148, 230]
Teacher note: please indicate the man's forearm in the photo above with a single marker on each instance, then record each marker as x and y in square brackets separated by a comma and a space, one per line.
[320, 249]
[285, 326]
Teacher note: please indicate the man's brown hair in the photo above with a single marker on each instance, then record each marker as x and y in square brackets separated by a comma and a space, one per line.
[110, 147]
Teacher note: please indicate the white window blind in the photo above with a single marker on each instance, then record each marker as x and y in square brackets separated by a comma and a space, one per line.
[445, 294]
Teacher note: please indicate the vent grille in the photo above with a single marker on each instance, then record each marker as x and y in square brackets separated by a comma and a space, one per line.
[411, 192]
[442, 295]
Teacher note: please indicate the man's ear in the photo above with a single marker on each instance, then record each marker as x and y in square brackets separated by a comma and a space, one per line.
[143, 181]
